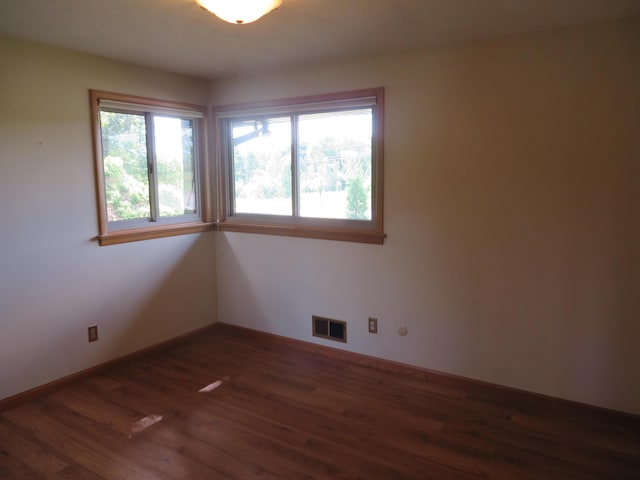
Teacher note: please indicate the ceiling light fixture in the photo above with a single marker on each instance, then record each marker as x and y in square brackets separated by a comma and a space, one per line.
[240, 11]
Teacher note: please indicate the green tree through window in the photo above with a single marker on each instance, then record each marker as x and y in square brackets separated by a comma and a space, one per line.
[147, 156]
[308, 167]
[126, 174]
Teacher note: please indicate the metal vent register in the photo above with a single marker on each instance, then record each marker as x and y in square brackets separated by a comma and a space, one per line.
[329, 328]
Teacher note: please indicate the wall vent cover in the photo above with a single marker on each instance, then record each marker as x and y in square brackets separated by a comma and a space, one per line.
[329, 328]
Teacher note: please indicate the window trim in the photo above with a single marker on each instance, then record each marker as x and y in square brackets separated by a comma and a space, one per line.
[196, 223]
[329, 229]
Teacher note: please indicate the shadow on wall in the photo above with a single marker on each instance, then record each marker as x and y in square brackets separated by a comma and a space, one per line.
[538, 259]
[181, 297]
[535, 270]
[250, 284]
[523, 212]
[145, 293]
[275, 284]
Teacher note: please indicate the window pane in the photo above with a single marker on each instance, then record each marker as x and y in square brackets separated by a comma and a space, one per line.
[173, 139]
[262, 166]
[334, 164]
[124, 156]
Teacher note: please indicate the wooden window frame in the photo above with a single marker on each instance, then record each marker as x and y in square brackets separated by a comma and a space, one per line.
[362, 231]
[179, 226]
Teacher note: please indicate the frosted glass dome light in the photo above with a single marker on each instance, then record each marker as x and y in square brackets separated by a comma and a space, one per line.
[240, 11]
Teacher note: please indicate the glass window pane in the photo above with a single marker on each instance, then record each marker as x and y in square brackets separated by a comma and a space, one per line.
[334, 164]
[175, 167]
[124, 157]
[262, 166]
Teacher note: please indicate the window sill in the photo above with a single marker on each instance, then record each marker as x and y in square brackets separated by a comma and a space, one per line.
[148, 233]
[322, 233]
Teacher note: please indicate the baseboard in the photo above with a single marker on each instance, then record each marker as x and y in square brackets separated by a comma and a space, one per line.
[42, 390]
[339, 354]
[403, 368]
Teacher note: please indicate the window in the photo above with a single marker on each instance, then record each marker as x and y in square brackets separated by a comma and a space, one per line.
[309, 167]
[150, 177]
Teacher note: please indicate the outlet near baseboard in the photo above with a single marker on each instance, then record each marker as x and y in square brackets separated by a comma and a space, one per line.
[373, 325]
[93, 333]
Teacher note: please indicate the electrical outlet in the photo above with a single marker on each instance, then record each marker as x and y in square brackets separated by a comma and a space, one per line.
[93, 333]
[373, 325]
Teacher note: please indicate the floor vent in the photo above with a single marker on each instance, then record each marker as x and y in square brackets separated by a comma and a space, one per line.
[329, 328]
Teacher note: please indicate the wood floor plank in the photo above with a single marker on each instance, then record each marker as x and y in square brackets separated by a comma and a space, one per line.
[19, 445]
[279, 409]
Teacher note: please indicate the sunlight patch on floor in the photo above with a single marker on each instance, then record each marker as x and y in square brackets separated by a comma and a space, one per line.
[213, 386]
[143, 424]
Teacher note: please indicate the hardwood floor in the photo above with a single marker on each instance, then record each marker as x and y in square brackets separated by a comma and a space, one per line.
[284, 410]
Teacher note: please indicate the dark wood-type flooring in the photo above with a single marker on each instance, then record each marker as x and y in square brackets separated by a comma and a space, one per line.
[279, 409]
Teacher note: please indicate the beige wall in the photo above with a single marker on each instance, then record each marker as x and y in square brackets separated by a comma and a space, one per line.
[512, 195]
[511, 201]
[54, 280]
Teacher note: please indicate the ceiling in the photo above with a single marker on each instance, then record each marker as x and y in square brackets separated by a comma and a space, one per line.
[178, 36]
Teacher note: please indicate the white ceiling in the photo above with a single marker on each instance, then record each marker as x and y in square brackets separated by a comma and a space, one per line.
[177, 35]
